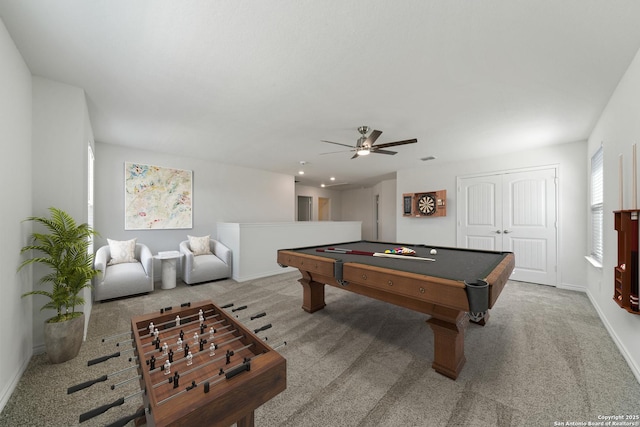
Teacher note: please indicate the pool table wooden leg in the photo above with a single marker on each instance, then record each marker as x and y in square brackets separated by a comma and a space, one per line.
[312, 293]
[448, 327]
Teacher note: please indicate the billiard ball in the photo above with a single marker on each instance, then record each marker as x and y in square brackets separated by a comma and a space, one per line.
[433, 252]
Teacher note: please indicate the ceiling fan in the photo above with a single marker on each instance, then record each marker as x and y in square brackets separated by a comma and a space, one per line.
[364, 146]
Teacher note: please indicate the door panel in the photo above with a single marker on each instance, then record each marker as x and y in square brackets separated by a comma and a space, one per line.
[481, 223]
[530, 224]
[484, 243]
[512, 212]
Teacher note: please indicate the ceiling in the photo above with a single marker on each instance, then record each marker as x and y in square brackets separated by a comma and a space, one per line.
[259, 84]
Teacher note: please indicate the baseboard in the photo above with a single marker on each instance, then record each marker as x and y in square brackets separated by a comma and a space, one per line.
[570, 287]
[8, 391]
[635, 369]
[280, 270]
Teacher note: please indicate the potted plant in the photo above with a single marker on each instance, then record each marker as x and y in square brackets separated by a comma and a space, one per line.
[65, 251]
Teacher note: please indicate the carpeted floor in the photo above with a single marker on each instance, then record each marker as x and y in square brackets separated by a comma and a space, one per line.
[544, 358]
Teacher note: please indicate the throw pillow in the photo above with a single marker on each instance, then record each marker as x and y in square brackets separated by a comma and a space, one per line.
[199, 245]
[122, 251]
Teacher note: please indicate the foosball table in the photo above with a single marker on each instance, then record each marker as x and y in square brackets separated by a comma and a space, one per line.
[198, 365]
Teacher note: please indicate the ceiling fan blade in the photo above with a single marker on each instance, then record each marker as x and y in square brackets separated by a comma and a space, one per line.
[337, 143]
[393, 144]
[355, 155]
[371, 139]
[373, 150]
[334, 152]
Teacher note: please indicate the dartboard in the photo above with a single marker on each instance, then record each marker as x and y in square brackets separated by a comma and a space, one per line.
[427, 204]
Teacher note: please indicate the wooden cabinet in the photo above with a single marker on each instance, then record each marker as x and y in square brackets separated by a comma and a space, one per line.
[625, 293]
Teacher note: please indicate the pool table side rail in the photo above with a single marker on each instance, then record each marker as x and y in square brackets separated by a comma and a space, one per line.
[498, 278]
[417, 287]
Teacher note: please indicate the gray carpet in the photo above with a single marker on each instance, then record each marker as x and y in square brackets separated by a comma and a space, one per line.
[544, 357]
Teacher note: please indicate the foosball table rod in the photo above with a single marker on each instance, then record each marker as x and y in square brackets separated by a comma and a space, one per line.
[210, 361]
[125, 420]
[224, 375]
[104, 408]
[107, 357]
[103, 378]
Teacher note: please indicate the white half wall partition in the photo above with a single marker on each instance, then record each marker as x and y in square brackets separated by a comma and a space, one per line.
[255, 245]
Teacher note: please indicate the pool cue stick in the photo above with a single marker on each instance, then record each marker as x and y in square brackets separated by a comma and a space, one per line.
[104, 408]
[375, 254]
[620, 181]
[634, 182]
[103, 378]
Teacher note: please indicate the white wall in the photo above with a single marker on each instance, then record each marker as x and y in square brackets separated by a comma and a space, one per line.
[61, 135]
[359, 205]
[315, 193]
[617, 129]
[15, 170]
[255, 245]
[386, 191]
[221, 193]
[441, 231]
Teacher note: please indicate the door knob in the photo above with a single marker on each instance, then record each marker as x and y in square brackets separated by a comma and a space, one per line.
[507, 231]
[498, 231]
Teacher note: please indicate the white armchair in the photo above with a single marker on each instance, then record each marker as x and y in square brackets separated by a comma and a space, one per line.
[208, 267]
[122, 279]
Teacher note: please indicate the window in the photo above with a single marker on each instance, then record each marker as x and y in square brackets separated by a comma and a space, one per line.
[596, 205]
[90, 161]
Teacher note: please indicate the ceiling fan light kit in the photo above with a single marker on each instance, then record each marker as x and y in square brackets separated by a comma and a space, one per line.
[365, 144]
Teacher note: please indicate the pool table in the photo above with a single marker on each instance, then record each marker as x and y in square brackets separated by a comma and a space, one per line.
[435, 284]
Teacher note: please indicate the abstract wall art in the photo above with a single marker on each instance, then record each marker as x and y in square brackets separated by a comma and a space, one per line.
[157, 197]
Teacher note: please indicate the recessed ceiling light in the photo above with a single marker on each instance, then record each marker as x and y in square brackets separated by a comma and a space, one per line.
[302, 163]
[333, 178]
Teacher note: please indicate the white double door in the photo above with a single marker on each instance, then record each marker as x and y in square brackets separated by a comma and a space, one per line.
[516, 212]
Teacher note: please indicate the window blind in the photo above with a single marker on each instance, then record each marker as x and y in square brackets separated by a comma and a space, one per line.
[597, 213]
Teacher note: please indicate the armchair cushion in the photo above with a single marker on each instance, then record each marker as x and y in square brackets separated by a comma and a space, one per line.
[199, 245]
[204, 268]
[122, 251]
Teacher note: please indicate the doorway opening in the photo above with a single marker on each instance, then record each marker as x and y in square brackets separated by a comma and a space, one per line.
[304, 208]
[324, 209]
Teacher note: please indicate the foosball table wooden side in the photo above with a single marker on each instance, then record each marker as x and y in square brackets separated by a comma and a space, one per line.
[228, 400]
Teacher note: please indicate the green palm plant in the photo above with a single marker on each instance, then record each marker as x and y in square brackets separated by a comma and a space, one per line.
[65, 250]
